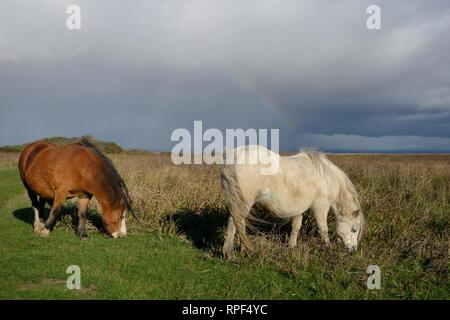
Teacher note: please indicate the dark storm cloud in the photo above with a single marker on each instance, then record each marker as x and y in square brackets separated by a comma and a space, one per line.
[136, 107]
[138, 70]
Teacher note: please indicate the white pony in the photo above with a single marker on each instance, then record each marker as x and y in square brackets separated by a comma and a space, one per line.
[305, 180]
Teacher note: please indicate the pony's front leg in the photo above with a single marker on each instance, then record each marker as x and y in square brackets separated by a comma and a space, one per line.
[321, 214]
[57, 203]
[82, 210]
[296, 225]
[228, 246]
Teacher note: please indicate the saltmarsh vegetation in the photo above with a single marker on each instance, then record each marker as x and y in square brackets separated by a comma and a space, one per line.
[405, 198]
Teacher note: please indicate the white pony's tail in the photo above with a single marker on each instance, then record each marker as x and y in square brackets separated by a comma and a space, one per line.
[231, 192]
[234, 200]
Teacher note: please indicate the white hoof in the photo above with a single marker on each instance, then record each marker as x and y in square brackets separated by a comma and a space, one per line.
[40, 229]
[44, 232]
[38, 226]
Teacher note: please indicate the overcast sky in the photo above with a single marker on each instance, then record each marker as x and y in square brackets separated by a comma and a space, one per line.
[137, 70]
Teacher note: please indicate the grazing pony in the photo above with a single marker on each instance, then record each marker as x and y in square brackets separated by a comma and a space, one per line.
[53, 173]
[305, 180]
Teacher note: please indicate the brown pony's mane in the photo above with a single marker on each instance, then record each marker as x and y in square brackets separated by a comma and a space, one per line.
[113, 176]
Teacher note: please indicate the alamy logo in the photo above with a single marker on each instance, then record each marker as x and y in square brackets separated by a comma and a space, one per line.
[73, 22]
[74, 280]
[190, 148]
[374, 20]
[374, 280]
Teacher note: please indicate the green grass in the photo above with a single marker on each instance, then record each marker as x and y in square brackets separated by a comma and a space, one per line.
[136, 267]
[147, 266]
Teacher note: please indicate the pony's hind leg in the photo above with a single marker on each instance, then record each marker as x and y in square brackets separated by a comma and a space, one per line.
[37, 224]
[39, 216]
[36, 204]
[82, 210]
[228, 246]
[246, 245]
[296, 225]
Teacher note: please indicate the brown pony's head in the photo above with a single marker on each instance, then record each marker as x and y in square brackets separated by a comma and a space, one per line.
[114, 221]
[114, 217]
[113, 197]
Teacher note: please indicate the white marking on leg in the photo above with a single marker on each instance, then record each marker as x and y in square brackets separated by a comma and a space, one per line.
[38, 225]
[123, 227]
[36, 218]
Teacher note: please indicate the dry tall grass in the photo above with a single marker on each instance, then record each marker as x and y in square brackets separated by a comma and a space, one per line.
[8, 160]
[406, 200]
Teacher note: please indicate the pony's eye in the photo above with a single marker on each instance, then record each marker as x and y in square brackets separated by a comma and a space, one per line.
[354, 229]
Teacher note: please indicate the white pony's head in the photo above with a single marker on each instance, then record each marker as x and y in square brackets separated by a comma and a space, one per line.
[350, 221]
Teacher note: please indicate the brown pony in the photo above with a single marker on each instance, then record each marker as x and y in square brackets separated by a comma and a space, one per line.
[53, 173]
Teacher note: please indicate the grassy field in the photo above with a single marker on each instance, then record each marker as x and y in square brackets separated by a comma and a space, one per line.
[406, 200]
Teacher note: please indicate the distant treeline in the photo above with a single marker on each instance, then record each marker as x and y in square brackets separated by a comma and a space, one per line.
[105, 146]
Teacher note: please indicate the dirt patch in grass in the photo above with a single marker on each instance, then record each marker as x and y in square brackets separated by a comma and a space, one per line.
[52, 283]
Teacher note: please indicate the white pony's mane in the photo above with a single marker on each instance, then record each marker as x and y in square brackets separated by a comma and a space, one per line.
[318, 159]
[326, 167]
[323, 164]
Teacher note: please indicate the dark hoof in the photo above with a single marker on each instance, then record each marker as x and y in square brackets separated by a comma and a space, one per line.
[49, 226]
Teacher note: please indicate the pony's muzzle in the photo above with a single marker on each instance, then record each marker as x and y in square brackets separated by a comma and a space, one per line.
[352, 248]
[122, 232]
[118, 234]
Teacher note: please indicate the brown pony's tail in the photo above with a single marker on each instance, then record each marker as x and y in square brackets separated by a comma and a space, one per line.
[129, 203]
[137, 219]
